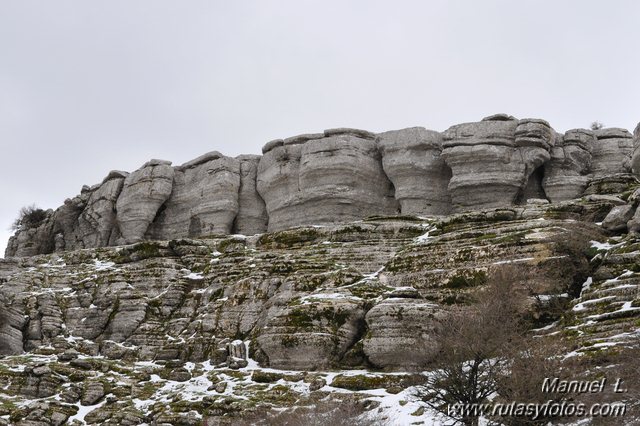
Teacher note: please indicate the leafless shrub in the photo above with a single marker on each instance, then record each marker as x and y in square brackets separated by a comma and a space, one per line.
[596, 125]
[29, 217]
[476, 345]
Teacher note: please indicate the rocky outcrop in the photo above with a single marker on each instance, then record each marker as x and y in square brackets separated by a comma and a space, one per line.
[313, 181]
[252, 214]
[204, 200]
[566, 175]
[97, 226]
[412, 160]
[337, 176]
[145, 191]
[492, 160]
[635, 159]
[612, 152]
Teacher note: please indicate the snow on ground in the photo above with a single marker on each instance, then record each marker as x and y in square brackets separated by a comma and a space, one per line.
[103, 266]
[84, 410]
[425, 238]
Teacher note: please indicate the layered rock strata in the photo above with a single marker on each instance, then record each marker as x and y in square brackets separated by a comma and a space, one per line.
[566, 176]
[612, 152]
[337, 176]
[311, 180]
[492, 160]
[412, 159]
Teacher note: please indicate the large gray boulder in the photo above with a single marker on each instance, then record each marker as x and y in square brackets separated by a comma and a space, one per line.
[337, 178]
[252, 213]
[566, 175]
[204, 200]
[492, 160]
[144, 192]
[612, 152]
[401, 333]
[313, 335]
[412, 160]
[618, 217]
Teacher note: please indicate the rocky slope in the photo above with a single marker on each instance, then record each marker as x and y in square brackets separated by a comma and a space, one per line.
[205, 293]
[159, 331]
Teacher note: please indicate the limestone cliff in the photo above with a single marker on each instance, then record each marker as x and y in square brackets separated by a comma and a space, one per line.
[336, 176]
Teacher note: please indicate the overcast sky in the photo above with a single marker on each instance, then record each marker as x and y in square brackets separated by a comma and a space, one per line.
[87, 87]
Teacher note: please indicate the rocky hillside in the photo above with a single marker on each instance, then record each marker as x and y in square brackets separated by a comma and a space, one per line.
[315, 274]
[177, 331]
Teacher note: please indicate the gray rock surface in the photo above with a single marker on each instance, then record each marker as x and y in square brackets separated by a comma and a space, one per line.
[412, 160]
[252, 213]
[145, 191]
[204, 200]
[618, 217]
[337, 178]
[401, 333]
[492, 160]
[97, 226]
[566, 175]
[635, 160]
[612, 152]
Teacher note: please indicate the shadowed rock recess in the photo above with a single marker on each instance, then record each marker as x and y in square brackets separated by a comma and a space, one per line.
[217, 288]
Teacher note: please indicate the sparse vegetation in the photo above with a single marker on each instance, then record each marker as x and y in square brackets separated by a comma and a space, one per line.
[29, 217]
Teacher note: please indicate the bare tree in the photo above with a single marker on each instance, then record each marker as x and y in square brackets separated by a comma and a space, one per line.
[476, 346]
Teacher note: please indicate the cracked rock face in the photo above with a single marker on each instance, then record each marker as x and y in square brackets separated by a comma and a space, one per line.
[566, 175]
[492, 160]
[612, 152]
[412, 160]
[97, 225]
[204, 200]
[145, 190]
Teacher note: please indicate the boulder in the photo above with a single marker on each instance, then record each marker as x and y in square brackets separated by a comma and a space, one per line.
[400, 333]
[204, 200]
[566, 175]
[312, 335]
[237, 357]
[612, 152]
[144, 192]
[492, 160]
[618, 217]
[252, 213]
[412, 160]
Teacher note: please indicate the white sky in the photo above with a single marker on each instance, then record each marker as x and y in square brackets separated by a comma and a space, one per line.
[87, 87]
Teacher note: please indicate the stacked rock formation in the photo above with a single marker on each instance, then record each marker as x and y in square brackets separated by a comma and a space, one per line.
[567, 177]
[313, 179]
[337, 176]
[492, 160]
